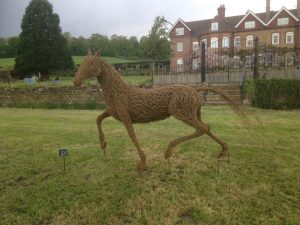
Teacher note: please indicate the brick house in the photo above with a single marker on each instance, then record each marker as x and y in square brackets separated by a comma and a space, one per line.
[277, 28]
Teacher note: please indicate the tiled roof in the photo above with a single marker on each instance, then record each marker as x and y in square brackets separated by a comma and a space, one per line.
[201, 27]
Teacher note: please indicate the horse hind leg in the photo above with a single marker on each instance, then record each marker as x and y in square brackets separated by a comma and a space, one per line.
[224, 153]
[200, 130]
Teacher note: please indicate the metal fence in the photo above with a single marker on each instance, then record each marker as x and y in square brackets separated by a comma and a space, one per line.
[232, 65]
[224, 77]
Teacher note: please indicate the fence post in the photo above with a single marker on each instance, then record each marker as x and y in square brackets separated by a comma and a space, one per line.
[256, 62]
[203, 62]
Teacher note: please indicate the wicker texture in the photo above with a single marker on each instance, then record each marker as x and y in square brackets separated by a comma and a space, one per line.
[130, 104]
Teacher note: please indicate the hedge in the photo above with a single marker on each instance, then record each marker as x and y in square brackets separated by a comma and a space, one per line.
[274, 94]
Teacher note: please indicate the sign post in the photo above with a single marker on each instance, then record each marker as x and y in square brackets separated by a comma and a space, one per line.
[63, 153]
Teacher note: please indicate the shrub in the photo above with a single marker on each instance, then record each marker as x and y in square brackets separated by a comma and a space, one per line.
[274, 94]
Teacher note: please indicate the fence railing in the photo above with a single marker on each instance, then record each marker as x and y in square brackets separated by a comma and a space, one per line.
[224, 77]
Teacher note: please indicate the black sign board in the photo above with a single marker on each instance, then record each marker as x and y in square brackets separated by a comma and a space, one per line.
[63, 152]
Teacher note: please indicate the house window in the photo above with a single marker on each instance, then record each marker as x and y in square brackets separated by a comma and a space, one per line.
[214, 26]
[225, 42]
[236, 61]
[289, 37]
[249, 24]
[179, 31]
[282, 21]
[275, 39]
[214, 42]
[249, 41]
[195, 45]
[179, 64]
[249, 60]
[237, 42]
[179, 47]
[195, 64]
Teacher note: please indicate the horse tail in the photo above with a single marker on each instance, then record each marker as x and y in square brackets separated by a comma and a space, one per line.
[237, 108]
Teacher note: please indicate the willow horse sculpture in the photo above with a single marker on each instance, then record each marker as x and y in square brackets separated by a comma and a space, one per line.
[130, 104]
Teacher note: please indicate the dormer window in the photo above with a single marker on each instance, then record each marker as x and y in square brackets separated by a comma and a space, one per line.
[214, 26]
[249, 24]
[179, 31]
[282, 21]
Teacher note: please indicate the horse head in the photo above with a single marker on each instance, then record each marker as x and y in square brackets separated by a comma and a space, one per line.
[89, 67]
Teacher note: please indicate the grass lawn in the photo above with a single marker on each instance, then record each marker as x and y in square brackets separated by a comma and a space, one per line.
[68, 81]
[9, 62]
[261, 185]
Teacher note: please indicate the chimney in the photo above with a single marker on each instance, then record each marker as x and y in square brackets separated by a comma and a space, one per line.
[268, 9]
[221, 12]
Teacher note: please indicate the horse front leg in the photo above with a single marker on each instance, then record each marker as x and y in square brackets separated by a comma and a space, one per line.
[125, 118]
[99, 120]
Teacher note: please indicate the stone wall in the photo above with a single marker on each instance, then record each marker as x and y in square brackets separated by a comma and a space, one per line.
[55, 97]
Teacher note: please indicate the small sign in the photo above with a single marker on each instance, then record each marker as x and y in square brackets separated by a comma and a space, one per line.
[63, 152]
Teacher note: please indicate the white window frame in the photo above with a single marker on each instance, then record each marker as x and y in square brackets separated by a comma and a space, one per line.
[179, 64]
[249, 41]
[179, 31]
[195, 45]
[214, 42]
[282, 21]
[250, 24]
[275, 39]
[215, 26]
[238, 44]
[179, 46]
[225, 42]
[287, 35]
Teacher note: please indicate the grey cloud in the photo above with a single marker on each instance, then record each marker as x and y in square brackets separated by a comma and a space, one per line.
[124, 17]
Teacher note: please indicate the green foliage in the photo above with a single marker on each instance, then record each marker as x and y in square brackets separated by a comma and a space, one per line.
[8, 47]
[156, 45]
[42, 47]
[274, 94]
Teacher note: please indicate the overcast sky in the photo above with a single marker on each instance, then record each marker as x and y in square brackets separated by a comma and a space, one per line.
[127, 17]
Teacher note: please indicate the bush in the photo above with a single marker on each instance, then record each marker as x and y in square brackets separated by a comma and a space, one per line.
[274, 94]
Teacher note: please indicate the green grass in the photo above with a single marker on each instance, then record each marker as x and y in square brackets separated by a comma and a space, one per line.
[68, 81]
[259, 186]
[9, 62]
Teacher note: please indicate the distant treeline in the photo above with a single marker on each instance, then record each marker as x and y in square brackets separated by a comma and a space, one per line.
[114, 46]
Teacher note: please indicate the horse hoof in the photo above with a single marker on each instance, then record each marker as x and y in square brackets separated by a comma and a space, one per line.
[141, 166]
[103, 146]
[223, 155]
[168, 154]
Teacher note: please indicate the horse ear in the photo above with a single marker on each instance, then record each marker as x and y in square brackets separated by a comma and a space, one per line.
[97, 53]
[89, 52]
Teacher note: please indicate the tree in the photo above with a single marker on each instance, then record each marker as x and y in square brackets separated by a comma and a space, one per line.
[156, 45]
[42, 47]
[99, 42]
[79, 46]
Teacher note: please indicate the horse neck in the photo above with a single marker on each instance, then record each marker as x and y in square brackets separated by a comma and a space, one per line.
[111, 81]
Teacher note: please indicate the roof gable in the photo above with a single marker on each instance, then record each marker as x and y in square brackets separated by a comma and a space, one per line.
[252, 14]
[278, 13]
[179, 21]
